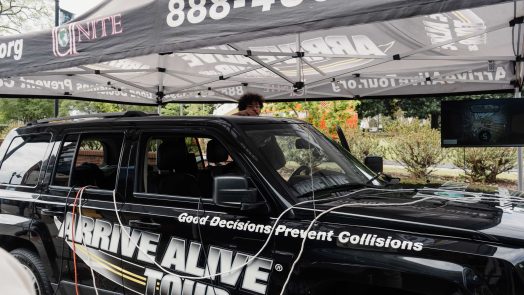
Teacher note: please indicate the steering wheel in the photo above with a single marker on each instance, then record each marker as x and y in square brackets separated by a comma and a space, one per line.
[301, 169]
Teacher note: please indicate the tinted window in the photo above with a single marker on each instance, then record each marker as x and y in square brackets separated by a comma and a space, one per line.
[182, 165]
[95, 161]
[305, 159]
[23, 160]
[65, 159]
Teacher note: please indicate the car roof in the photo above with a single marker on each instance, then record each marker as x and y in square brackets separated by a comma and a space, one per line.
[73, 123]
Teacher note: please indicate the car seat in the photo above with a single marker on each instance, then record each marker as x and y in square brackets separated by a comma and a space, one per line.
[174, 166]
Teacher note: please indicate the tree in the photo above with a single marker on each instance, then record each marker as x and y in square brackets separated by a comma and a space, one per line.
[25, 109]
[373, 107]
[173, 109]
[71, 107]
[422, 108]
[325, 115]
[429, 107]
[17, 16]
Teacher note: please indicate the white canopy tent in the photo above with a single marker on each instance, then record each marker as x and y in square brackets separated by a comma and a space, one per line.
[153, 52]
[156, 52]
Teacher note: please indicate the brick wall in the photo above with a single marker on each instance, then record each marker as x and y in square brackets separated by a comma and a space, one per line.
[151, 158]
[96, 157]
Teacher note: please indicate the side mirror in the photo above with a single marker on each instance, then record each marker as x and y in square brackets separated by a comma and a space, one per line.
[233, 191]
[376, 164]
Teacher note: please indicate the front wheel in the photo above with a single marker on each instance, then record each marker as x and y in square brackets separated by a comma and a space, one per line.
[35, 268]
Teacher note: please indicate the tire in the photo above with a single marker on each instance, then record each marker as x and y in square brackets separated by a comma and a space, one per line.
[35, 267]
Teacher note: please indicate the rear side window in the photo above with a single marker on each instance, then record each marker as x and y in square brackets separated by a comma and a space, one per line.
[65, 159]
[90, 161]
[23, 160]
[183, 165]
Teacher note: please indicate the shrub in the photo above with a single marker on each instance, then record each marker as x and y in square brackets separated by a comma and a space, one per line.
[417, 148]
[363, 144]
[484, 164]
[9, 127]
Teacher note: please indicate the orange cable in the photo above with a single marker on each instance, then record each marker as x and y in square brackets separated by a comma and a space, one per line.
[73, 239]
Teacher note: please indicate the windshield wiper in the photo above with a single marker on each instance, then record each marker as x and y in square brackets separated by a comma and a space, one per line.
[374, 178]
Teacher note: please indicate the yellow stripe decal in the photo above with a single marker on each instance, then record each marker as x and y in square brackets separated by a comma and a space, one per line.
[113, 268]
[462, 17]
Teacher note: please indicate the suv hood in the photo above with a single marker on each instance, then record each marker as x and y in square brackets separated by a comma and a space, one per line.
[495, 217]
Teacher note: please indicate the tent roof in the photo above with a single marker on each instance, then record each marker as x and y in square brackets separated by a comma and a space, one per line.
[150, 52]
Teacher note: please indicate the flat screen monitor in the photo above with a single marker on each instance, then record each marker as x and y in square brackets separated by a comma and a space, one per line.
[482, 123]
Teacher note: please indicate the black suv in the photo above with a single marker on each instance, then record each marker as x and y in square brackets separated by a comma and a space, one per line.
[239, 205]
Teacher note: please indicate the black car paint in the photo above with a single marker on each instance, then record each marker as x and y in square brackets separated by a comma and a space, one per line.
[466, 249]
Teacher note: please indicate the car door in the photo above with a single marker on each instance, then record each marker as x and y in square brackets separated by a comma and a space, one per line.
[85, 159]
[180, 232]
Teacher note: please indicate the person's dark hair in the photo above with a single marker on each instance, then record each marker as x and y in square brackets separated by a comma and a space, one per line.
[248, 99]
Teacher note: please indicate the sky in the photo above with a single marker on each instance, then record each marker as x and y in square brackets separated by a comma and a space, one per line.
[78, 6]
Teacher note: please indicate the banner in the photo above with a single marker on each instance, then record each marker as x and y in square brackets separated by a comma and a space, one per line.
[152, 52]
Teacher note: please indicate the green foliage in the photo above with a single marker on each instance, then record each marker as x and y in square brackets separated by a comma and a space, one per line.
[68, 107]
[303, 157]
[418, 107]
[417, 148]
[8, 128]
[484, 164]
[363, 144]
[173, 109]
[25, 109]
[91, 145]
[374, 107]
[326, 115]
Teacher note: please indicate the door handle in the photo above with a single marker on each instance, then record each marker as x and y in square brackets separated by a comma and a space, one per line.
[52, 212]
[144, 225]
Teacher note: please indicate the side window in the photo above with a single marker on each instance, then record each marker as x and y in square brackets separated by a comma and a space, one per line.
[194, 147]
[183, 165]
[65, 160]
[95, 161]
[23, 160]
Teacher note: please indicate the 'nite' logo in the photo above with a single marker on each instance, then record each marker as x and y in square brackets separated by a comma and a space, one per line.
[66, 39]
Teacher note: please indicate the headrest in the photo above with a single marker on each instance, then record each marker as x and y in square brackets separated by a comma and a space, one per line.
[171, 154]
[216, 152]
[273, 153]
[87, 174]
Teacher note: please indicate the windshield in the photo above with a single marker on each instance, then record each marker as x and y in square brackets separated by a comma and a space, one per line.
[305, 159]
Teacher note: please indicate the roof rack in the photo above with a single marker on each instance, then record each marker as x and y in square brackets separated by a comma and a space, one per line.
[94, 116]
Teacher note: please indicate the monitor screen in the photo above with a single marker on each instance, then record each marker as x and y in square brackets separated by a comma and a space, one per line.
[483, 122]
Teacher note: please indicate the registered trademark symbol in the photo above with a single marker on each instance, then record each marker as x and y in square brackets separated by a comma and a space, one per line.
[279, 267]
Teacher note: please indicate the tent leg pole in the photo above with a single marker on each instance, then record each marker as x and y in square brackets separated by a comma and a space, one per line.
[57, 23]
[519, 152]
[56, 108]
[519, 164]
